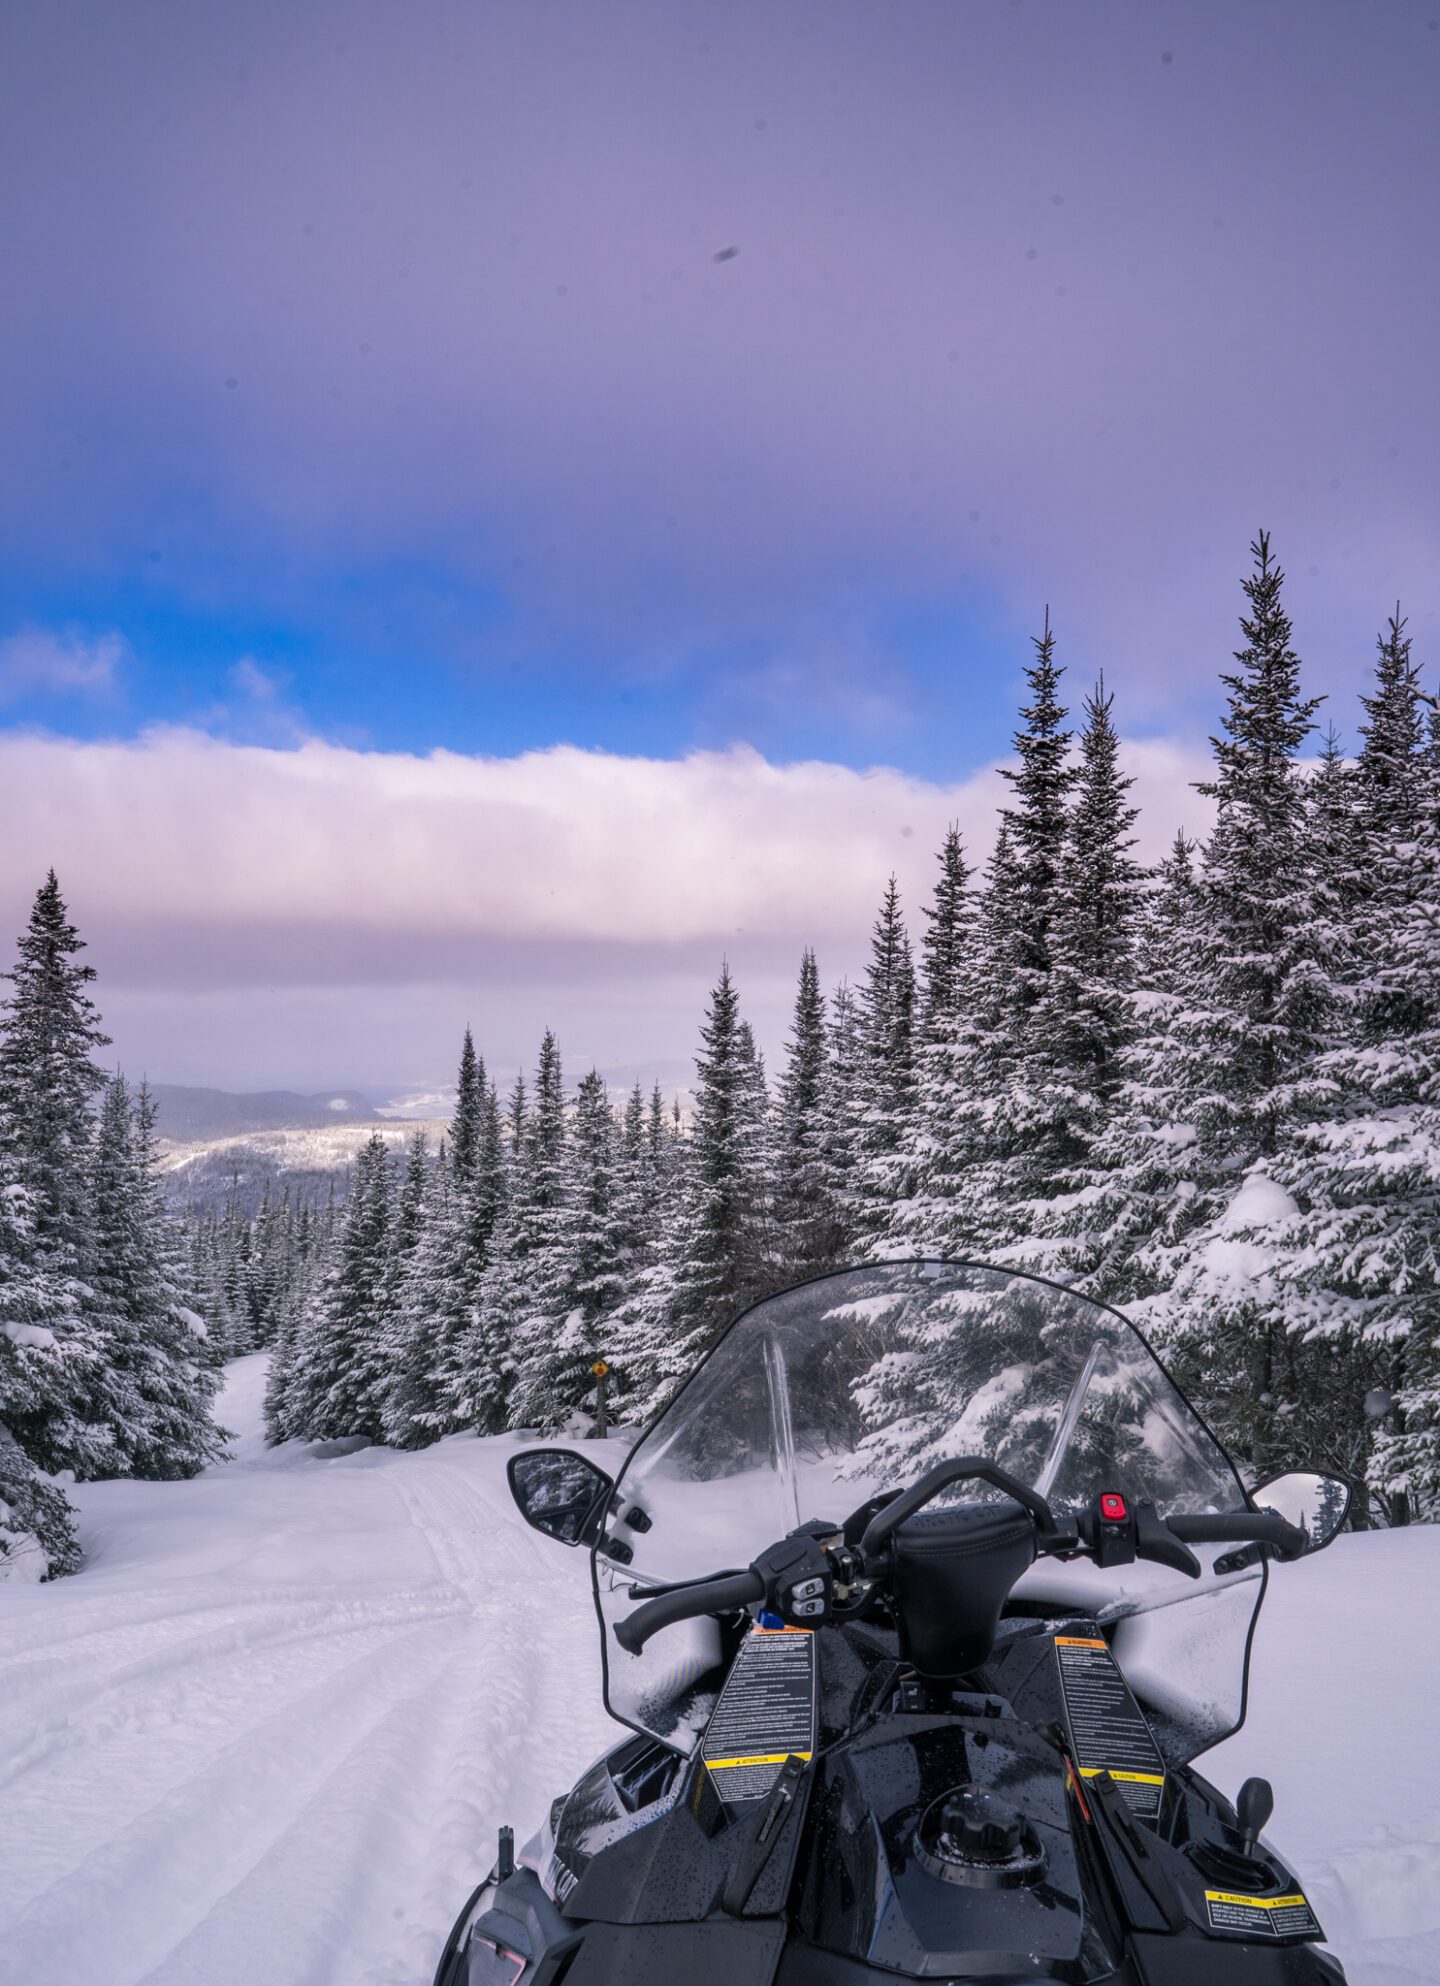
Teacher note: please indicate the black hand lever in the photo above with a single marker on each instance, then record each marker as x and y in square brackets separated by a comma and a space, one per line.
[1254, 1805]
[1155, 1540]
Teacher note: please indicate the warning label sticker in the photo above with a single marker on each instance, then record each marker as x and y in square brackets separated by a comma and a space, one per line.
[766, 1712]
[1108, 1732]
[1261, 1916]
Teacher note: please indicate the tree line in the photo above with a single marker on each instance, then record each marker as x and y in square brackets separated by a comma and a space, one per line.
[1206, 1091]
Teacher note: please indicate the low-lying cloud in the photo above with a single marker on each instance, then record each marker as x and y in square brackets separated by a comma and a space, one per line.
[321, 914]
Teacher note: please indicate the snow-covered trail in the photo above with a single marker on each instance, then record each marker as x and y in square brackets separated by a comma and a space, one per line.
[269, 1731]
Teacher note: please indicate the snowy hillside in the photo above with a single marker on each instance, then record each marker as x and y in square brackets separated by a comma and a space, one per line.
[209, 1172]
[270, 1730]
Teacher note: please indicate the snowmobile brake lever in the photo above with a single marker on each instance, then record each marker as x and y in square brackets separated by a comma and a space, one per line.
[706, 1596]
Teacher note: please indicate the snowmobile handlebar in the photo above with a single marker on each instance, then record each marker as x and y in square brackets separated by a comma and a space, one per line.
[1241, 1527]
[708, 1596]
[796, 1578]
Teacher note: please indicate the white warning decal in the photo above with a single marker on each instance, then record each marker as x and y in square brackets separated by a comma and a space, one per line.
[765, 1715]
[1261, 1916]
[1108, 1732]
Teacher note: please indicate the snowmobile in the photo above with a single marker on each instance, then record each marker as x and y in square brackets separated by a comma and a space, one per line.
[988, 1585]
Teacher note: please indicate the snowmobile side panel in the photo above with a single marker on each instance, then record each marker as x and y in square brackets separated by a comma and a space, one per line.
[1194, 1961]
[677, 1858]
[730, 1952]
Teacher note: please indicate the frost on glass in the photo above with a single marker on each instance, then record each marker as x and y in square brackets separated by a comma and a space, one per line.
[827, 1395]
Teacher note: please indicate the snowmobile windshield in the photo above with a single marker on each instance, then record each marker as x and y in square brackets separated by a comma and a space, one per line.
[824, 1396]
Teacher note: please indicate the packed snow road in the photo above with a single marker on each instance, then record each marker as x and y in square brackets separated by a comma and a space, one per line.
[268, 1732]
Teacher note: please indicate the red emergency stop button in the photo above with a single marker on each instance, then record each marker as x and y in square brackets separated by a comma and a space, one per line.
[1112, 1508]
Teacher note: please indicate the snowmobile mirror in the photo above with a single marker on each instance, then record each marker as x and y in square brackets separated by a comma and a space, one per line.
[560, 1493]
[1317, 1505]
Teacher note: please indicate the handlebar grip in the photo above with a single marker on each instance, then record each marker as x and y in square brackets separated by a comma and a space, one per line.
[1239, 1527]
[713, 1596]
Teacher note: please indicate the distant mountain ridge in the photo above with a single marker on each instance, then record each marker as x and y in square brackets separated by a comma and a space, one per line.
[186, 1115]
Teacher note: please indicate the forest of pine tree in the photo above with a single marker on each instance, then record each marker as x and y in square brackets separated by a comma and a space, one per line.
[1208, 1092]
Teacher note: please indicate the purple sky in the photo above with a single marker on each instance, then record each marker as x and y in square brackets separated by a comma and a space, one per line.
[368, 373]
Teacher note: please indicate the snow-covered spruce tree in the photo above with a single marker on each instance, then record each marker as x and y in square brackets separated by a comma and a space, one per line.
[1367, 1174]
[342, 1367]
[888, 1092]
[432, 1320]
[1242, 1054]
[48, 1035]
[810, 1230]
[602, 1244]
[996, 1132]
[157, 1388]
[1100, 890]
[314, 1239]
[1140, 1197]
[37, 1534]
[598, 1245]
[840, 1153]
[948, 944]
[527, 1307]
[1085, 1017]
[48, 1078]
[964, 1062]
[716, 1234]
[633, 1195]
[465, 1129]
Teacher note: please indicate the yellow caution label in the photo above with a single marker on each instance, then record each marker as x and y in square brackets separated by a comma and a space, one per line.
[1078, 1641]
[1134, 1778]
[756, 1758]
[1255, 1902]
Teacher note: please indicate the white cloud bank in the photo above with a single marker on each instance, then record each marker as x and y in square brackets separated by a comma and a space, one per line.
[337, 884]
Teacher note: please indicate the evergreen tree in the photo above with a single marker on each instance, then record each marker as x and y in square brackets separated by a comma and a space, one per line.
[1038, 825]
[949, 937]
[1098, 897]
[840, 1145]
[139, 1275]
[48, 1034]
[888, 1091]
[1244, 1049]
[538, 1293]
[342, 1366]
[433, 1320]
[47, 1078]
[1366, 1171]
[807, 1214]
[465, 1131]
[37, 1536]
[709, 1252]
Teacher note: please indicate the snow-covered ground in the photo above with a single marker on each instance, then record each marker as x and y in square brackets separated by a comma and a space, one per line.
[269, 1731]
